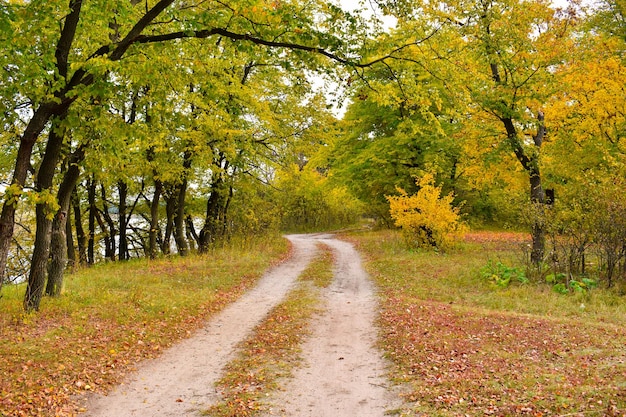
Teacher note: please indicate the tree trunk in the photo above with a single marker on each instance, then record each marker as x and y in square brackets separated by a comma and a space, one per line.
[170, 212]
[91, 198]
[58, 244]
[213, 222]
[38, 266]
[43, 211]
[154, 219]
[81, 238]
[538, 233]
[122, 188]
[179, 220]
[69, 240]
[110, 232]
[192, 235]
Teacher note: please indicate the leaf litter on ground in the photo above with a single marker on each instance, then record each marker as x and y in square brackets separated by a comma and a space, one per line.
[110, 318]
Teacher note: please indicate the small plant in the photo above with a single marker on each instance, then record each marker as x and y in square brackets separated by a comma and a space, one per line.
[502, 275]
[561, 285]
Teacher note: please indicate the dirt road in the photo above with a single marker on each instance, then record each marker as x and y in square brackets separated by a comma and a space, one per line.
[342, 375]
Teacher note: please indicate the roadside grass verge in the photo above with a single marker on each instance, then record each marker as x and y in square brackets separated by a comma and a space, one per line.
[273, 350]
[463, 347]
[112, 316]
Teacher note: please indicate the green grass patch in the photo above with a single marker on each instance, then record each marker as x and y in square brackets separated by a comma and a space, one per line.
[273, 350]
[112, 316]
[464, 346]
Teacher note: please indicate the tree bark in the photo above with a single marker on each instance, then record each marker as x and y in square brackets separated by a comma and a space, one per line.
[58, 244]
[91, 198]
[214, 220]
[43, 211]
[170, 212]
[179, 220]
[81, 238]
[154, 219]
[109, 234]
[69, 239]
[122, 188]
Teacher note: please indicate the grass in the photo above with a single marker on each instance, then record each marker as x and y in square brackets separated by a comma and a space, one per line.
[464, 347]
[112, 316]
[272, 351]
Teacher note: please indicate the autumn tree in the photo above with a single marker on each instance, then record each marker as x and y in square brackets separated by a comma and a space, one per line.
[77, 62]
[496, 59]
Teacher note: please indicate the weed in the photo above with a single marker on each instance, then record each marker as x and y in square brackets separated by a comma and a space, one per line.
[502, 275]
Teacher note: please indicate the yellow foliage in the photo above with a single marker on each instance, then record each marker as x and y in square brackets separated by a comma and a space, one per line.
[427, 218]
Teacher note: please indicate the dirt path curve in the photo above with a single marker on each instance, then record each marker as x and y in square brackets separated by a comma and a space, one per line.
[343, 373]
[181, 381]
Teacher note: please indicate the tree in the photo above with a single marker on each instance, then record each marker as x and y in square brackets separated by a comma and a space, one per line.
[81, 64]
[496, 60]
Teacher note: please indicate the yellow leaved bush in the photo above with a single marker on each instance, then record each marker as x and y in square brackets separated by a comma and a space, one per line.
[427, 219]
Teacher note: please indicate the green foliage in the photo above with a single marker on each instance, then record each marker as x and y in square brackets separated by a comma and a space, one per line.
[502, 275]
[562, 285]
[309, 202]
[427, 219]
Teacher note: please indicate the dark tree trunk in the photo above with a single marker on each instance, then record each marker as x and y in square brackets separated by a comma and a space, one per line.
[93, 211]
[59, 248]
[179, 220]
[43, 211]
[122, 188]
[154, 219]
[213, 226]
[538, 233]
[192, 235]
[170, 212]
[69, 239]
[81, 238]
[58, 255]
[179, 217]
[109, 234]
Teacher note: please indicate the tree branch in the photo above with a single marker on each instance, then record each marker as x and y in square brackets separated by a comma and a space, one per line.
[67, 36]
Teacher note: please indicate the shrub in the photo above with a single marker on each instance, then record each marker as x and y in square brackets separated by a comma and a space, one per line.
[427, 218]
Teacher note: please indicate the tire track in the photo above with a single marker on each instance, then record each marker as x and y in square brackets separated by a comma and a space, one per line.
[181, 381]
[343, 373]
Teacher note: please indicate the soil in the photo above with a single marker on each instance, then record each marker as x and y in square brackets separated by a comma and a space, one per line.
[342, 375]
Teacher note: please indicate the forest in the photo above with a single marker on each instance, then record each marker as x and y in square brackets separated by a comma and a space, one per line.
[148, 128]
